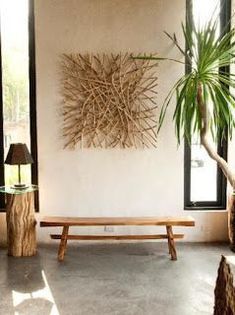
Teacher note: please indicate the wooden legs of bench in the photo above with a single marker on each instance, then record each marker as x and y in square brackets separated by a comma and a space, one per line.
[171, 242]
[63, 243]
[64, 237]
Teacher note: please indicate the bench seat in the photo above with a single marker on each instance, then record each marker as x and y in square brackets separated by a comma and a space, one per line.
[66, 222]
[96, 221]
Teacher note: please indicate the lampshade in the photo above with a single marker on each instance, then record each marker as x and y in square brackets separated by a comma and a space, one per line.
[18, 154]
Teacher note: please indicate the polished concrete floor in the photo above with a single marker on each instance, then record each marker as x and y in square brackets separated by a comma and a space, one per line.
[120, 279]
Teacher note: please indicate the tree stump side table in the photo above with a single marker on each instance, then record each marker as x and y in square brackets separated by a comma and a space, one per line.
[21, 222]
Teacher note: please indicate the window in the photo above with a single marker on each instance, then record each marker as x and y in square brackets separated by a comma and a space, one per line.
[17, 87]
[204, 183]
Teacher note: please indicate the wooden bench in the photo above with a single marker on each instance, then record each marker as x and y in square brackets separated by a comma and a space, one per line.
[66, 222]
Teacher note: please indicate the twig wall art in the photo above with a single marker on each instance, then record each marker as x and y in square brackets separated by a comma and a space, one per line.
[108, 101]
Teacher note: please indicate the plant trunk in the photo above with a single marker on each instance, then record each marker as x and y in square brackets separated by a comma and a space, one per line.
[228, 173]
[206, 142]
[231, 222]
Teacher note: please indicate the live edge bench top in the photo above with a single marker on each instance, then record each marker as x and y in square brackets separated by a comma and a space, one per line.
[95, 221]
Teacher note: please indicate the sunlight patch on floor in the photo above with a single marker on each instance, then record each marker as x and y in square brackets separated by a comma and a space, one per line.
[30, 299]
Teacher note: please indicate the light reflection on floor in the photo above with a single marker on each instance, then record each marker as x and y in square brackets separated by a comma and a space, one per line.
[43, 296]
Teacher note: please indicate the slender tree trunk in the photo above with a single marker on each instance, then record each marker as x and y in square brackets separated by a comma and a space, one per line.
[231, 222]
[207, 143]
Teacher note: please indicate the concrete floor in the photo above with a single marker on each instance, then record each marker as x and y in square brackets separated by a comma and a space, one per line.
[120, 279]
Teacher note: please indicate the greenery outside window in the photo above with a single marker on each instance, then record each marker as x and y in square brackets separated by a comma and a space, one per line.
[17, 88]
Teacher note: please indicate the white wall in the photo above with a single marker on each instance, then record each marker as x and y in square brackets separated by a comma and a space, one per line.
[114, 182]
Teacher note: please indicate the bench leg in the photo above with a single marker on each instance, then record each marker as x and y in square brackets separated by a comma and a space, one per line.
[63, 243]
[171, 242]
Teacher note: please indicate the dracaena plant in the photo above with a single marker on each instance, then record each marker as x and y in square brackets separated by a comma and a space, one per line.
[204, 98]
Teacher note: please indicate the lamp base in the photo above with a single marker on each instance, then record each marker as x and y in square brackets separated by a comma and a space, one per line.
[20, 186]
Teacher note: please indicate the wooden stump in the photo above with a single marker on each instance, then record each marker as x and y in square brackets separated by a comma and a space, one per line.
[21, 224]
[224, 290]
[231, 222]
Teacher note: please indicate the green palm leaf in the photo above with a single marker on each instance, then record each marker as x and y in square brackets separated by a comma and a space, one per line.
[207, 53]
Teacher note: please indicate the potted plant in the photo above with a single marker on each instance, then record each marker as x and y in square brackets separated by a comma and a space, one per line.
[205, 102]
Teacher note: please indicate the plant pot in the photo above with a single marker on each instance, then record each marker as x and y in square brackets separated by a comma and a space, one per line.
[231, 221]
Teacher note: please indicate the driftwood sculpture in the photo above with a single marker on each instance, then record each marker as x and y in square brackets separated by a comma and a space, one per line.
[224, 290]
[108, 101]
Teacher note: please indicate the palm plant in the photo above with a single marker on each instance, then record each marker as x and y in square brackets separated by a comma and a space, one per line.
[205, 102]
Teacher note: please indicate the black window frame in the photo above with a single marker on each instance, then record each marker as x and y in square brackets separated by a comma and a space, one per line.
[32, 110]
[222, 148]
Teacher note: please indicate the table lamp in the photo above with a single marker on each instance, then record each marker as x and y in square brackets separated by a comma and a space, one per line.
[18, 154]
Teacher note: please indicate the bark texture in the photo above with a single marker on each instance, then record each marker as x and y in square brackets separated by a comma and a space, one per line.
[224, 290]
[21, 225]
[231, 222]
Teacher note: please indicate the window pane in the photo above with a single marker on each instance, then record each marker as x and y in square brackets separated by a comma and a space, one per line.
[15, 78]
[203, 168]
[203, 175]
[203, 10]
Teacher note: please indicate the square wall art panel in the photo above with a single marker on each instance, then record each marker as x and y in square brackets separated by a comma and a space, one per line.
[109, 101]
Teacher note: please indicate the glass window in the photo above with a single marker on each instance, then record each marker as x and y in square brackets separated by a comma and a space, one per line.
[17, 106]
[203, 174]
[205, 185]
[15, 81]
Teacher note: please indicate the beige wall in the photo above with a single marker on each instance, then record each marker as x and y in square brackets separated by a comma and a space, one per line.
[110, 182]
